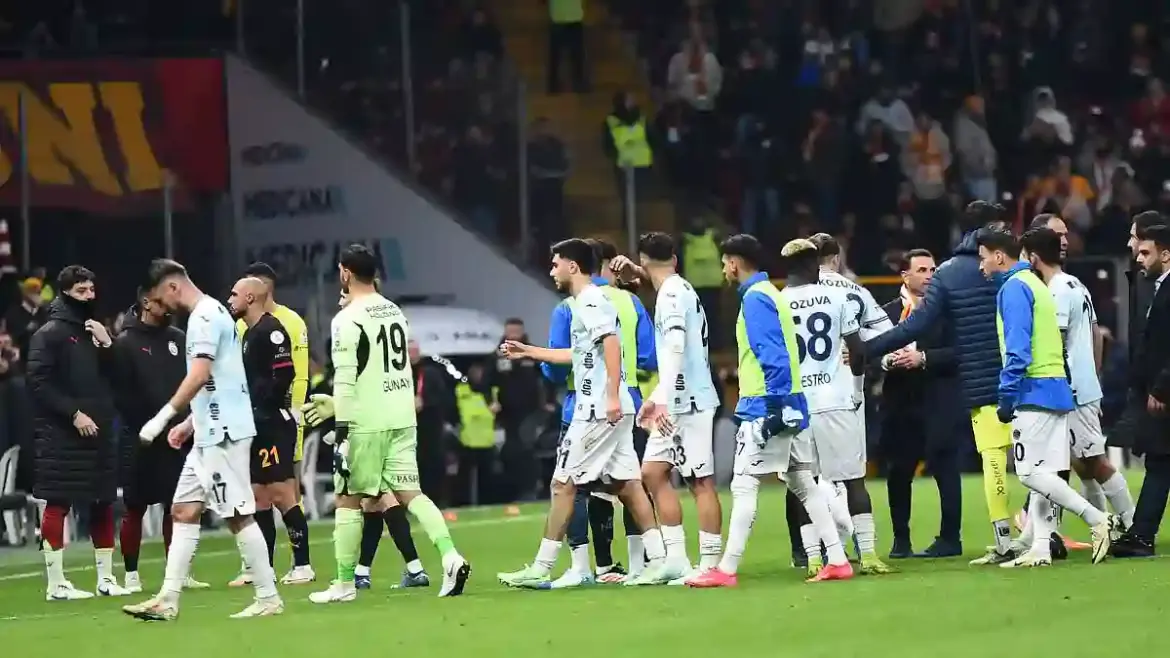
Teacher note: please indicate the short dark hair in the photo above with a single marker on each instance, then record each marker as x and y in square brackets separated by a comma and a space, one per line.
[978, 214]
[604, 248]
[993, 240]
[1041, 220]
[261, 270]
[1147, 219]
[161, 269]
[1158, 233]
[360, 261]
[514, 321]
[579, 251]
[744, 246]
[73, 275]
[909, 256]
[827, 246]
[657, 246]
[1044, 243]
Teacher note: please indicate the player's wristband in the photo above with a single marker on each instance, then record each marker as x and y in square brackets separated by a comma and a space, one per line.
[340, 433]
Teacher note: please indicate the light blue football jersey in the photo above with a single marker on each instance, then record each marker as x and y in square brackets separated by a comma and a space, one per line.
[1076, 317]
[677, 308]
[221, 410]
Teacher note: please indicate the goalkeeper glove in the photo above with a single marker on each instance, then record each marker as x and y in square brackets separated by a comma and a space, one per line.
[318, 409]
[1004, 413]
[780, 420]
[341, 450]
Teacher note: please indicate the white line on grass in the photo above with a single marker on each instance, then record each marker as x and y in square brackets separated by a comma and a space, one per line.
[224, 553]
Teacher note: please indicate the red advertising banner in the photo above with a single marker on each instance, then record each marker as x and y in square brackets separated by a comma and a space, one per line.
[102, 135]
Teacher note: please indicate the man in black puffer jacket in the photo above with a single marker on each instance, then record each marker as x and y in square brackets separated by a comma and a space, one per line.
[73, 410]
[962, 297]
[150, 360]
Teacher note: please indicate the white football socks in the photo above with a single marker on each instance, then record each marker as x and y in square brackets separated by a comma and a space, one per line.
[802, 484]
[184, 543]
[675, 539]
[103, 559]
[254, 549]
[54, 566]
[636, 551]
[546, 555]
[1116, 489]
[1094, 493]
[579, 559]
[866, 534]
[839, 507]
[710, 549]
[1059, 492]
[655, 548]
[745, 491]
[1042, 519]
[811, 542]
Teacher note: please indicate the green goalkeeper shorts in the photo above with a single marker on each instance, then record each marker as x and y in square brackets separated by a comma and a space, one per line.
[380, 462]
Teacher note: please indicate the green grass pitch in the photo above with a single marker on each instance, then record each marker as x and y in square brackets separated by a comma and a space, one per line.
[929, 609]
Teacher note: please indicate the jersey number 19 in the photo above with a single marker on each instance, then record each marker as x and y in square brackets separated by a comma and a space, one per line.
[392, 341]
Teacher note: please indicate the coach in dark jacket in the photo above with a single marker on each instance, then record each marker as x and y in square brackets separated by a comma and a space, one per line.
[1150, 384]
[923, 416]
[1141, 293]
[961, 295]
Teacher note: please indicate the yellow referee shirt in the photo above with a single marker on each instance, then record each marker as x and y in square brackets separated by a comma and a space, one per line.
[298, 331]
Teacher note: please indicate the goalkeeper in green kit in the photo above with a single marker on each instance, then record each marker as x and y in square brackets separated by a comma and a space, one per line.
[375, 440]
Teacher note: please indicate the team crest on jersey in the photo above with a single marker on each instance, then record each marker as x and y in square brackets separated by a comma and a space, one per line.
[172, 348]
[276, 337]
[305, 337]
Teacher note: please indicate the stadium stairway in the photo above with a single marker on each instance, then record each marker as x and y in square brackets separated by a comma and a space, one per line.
[592, 202]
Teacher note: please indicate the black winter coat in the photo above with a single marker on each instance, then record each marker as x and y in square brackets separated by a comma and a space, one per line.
[150, 363]
[961, 295]
[67, 373]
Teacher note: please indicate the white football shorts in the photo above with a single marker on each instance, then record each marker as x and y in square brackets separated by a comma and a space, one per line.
[1085, 434]
[219, 476]
[595, 450]
[690, 448]
[778, 456]
[838, 439]
[1040, 442]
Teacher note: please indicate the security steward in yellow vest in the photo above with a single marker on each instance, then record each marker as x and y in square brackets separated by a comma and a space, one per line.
[477, 436]
[626, 138]
[702, 266]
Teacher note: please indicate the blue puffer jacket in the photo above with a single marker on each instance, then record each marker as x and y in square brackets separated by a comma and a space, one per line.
[960, 293]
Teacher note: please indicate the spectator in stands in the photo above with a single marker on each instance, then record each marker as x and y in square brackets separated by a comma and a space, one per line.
[679, 147]
[694, 74]
[976, 154]
[925, 162]
[23, 319]
[478, 180]
[759, 154]
[1100, 162]
[548, 167]
[1067, 194]
[824, 157]
[1152, 112]
[891, 111]
[479, 34]
[566, 36]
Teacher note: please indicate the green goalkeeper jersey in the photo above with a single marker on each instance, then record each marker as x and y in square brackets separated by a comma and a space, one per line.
[373, 387]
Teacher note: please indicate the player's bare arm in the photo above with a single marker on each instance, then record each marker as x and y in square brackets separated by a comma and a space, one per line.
[627, 271]
[197, 375]
[516, 350]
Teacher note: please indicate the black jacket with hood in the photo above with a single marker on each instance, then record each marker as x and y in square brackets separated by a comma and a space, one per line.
[67, 374]
[150, 363]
